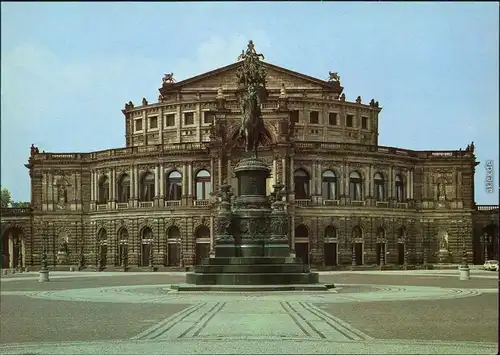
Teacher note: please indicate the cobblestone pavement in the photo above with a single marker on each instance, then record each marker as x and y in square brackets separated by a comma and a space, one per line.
[369, 313]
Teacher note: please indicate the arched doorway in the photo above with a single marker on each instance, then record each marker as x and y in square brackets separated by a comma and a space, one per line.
[330, 246]
[302, 243]
[381, 246]
[13, 248]
[173, 252]
[146, 245]
[102, 247]
[202, 236]
[357, 245]
[122, 246]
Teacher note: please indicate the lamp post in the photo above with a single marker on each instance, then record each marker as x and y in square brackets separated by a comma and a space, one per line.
[485, 240]
[44, 271]
[464, 269]
[151, 267]
[81, 259]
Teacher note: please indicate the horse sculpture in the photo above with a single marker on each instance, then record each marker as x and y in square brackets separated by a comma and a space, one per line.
[252, 126]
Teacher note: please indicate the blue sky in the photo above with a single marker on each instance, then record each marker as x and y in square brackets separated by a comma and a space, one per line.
[68, 68]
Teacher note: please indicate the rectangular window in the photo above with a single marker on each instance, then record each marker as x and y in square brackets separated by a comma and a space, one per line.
[349, 120]
[207, 117]
[364, 122]
[170, 120]
[332, 119]
[153, 122]
[294, 116]
[314, 117]
[188, 118]
[138, 124]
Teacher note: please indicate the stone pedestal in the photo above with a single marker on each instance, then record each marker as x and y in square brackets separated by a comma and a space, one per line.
[43, 276]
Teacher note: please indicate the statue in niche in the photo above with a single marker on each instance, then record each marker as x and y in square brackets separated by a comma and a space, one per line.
[441, 191]
[443, 241]
[62, 195]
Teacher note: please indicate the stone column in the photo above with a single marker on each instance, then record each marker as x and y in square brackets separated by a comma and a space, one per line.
[366, 188]
[95, 187]
[157, 184]
[389, 182]
[292, 235]
[312, 185]
[341, 179]
[212, 250]
[292, 185]
[283, 171]
[92, 184]
[185, 186]
[459, 186]
[132, 184]
[136, 186]
[160, 127]
[50, 194]
[78, 191]
[230, 180]
[212, 171]
[190, 182]
[219, 168]
[370, 180]
[11, 251]
[162, 185]
[275, 171]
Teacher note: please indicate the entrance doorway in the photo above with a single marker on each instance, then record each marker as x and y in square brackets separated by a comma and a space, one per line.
[173, 254]
[381, 251]
[122, 253]
[302, 252]
[145, 251]
[330, 250]
[401, 253]
[358, 253]
[202, 251]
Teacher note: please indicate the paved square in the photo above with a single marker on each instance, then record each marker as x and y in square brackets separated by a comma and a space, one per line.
[418, 312]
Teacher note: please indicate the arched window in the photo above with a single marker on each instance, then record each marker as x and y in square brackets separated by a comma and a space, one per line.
[148, 187]
[330, 232]
[203, 185]
[329, 185]
[102, 236]
[378, 182]
[399, 188]
[202, 232]
[380, 233]
[357, 233]
[173, 233]
[147, 233]
[124, 189]
[103, 190]
[355, 186]
[301, 183]
[174, 186]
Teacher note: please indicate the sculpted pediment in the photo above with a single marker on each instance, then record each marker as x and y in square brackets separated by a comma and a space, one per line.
[276, 77]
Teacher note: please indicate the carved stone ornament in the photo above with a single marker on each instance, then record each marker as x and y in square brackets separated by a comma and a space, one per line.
[333, 76]
[223, 226]
[279, 225]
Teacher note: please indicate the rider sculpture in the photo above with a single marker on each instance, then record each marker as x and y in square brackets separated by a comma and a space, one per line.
[252, 78]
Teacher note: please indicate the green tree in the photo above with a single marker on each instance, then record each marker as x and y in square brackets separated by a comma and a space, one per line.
[20, 204]
[6, 197]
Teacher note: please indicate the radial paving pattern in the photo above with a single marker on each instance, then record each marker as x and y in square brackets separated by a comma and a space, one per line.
[275, 322]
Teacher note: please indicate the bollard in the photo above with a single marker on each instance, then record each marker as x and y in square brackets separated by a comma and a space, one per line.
[464, 272]
[44, 276]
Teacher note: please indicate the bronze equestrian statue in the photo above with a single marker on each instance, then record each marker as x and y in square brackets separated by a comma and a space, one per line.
[252, 80]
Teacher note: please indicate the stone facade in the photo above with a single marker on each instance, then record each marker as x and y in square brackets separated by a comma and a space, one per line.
[351, 201]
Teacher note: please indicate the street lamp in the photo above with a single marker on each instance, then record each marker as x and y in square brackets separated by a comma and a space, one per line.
[486, 239]
[44, 271]
[151, 255]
